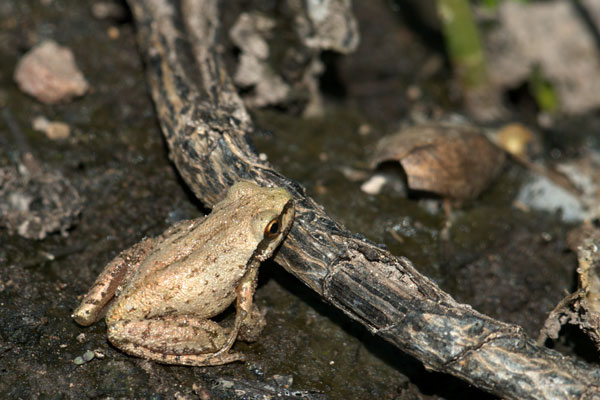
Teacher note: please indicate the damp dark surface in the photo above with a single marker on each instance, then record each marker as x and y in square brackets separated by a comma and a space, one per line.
[507, 263]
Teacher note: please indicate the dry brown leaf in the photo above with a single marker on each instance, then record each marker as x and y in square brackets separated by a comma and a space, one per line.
[453, 160]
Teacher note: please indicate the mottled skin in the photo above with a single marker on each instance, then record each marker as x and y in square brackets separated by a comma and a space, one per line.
[166, 289]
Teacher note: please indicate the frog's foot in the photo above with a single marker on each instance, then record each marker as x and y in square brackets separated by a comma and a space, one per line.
[183, 340]
[196, 360]
[253, 325]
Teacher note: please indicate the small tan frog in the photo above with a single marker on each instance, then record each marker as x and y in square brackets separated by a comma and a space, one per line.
[165, 290]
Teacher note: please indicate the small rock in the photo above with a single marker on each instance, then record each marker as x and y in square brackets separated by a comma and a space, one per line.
[99, 354]
[48, 73]
[78, 361]
[285, 381]
[88, 356]
[541, 194]
[365, 129]
[54, 130]
[374, 184]
[85, 358]
[519, 140]
[113, 32]
[109, 10]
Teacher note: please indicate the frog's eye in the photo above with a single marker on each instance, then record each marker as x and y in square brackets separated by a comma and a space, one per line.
[272, 229]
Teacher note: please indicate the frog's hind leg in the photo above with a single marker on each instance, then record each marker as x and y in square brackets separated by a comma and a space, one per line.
[114, 274]
[182, 340]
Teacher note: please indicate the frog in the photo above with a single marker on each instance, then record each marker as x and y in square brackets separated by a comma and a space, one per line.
[160, 296]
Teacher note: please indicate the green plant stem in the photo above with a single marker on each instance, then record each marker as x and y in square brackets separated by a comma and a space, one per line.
[463, 42]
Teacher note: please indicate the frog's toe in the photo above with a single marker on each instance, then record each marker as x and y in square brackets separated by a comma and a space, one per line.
[253, 325]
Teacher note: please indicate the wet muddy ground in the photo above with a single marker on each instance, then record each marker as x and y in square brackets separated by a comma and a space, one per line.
[507, 263]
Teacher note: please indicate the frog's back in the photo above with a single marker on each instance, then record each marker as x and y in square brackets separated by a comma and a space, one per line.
[197, 265]
[191, 271]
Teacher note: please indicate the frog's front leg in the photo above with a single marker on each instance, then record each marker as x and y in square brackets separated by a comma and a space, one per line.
[114, 274]
[176, 339]
[246, 313]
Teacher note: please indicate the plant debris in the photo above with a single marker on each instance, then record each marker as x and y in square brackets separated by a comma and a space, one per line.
[279, 64]
[250, 34]
[453, 160]
[36, 204]
[581, 308]
[327, 25]
[551, 37]
[34, 201]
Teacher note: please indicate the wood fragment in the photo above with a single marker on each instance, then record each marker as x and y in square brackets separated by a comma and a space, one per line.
[205, 125]
[582, 307]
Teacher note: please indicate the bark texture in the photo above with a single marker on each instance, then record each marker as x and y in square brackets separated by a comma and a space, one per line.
[205, 126]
